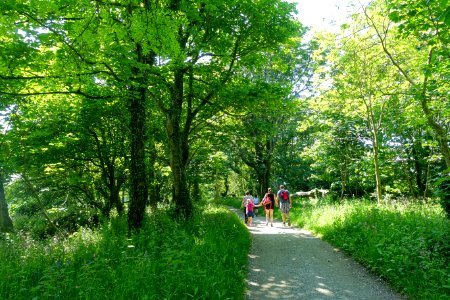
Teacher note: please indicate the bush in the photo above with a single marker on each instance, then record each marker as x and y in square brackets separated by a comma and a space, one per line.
[444, 194]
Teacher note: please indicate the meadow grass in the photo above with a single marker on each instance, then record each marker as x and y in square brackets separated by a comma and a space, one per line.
[231, 201]
[408, 244]
[203, 259]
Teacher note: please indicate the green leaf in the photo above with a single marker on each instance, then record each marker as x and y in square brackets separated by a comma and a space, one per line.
[412, 13]
[394, 16]
[447, 17]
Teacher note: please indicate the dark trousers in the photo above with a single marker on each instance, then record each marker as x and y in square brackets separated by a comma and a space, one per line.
[245, 215]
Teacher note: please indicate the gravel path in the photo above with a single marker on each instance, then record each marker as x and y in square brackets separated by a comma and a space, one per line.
[290, 263]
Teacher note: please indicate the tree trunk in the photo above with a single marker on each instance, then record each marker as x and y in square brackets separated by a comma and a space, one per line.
[178, 149]
[441, 134]
[263, 163]
[343, 182]
[152, 180]
[138, 113]
[420, 182]
[376, 162]
[183, 203]
[138, 186]
[263, 180]
[439, 131]
[6, 224]
[373, 127]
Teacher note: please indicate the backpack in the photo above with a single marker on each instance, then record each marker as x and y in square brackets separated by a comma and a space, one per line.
[266, 200]
[284, 195]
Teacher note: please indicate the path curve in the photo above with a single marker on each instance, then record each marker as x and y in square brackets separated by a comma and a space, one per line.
[290, 263]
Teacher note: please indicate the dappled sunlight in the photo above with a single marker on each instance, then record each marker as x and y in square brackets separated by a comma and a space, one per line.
[260, 227]
[299, 281]
[290, 263]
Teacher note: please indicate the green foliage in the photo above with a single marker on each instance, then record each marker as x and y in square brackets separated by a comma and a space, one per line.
[166, 260]
[231, 201]
[444, 193]
[407, 244]
[127, 59]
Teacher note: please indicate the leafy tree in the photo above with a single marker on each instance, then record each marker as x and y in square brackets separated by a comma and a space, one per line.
[426, 24]
[256, 134]
[338, 148]
[5, 220]
[268, 87]
[364, 82]
[175, 54]
[234, 31]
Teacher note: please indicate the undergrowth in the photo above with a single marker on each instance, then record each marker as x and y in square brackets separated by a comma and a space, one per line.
[203, 259]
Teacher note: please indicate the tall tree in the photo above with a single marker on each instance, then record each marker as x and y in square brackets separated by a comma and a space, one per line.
[73, 47]
[360, 77]
[175, 54]
[6, 224]
[426, 23]
[269, 86]
[215, 38]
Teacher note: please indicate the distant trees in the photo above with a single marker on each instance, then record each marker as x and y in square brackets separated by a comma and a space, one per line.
[390, 77]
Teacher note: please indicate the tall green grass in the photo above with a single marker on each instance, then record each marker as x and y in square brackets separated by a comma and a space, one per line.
[231, 201]
[203, 259]
[407, 244]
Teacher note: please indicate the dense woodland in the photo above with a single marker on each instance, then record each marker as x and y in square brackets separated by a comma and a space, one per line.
[126, 125]
[118, 106]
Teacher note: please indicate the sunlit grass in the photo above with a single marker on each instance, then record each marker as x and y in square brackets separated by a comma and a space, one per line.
[202, 259]
[407, 244]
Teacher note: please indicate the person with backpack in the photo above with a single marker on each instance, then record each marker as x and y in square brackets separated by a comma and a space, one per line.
[285, 202]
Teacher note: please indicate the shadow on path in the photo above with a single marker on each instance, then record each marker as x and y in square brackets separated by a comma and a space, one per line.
[290, 263]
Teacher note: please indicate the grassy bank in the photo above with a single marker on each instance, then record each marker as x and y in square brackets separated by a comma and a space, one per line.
[205, 259]
[407, 244]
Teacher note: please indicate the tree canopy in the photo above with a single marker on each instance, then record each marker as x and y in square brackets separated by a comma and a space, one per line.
[116, 106]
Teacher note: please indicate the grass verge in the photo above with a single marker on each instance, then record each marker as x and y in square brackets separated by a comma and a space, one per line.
[204, 259]
[407, 244]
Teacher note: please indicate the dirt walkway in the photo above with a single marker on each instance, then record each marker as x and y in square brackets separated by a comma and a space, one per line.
[290, 263]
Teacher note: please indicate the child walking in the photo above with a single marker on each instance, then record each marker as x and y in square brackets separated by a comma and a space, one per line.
[249, 210]
[245, 200]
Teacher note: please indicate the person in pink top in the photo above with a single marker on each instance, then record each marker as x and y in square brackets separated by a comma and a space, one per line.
[245, 200]
[249, 210]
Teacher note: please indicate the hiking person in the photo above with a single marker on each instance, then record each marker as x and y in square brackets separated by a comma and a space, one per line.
[250, 207]
[245, 200]
[268, 208]
[256, 202]
[285, 202]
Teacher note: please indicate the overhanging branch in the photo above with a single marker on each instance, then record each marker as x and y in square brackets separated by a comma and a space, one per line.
[78, 92]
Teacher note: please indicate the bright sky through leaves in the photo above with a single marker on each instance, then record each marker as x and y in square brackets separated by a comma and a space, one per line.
[326, 14]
